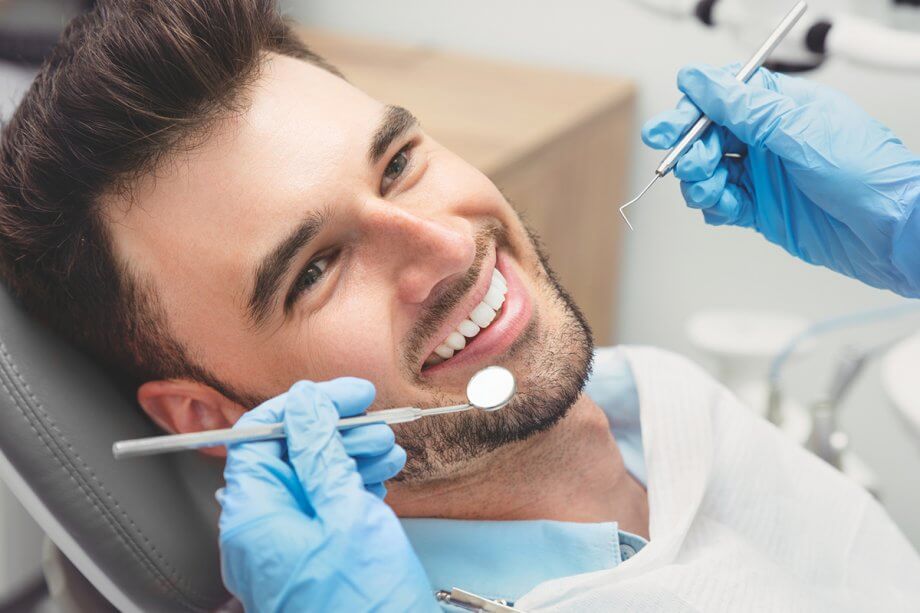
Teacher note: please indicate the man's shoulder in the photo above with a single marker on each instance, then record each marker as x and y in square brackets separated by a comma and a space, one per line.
[623, 374]
[643, 361]
[645, 371]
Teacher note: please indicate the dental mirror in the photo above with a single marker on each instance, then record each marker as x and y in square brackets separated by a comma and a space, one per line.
[491, 388]
[488, 390]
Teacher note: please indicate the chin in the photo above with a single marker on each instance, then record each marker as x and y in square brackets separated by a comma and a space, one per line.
[543, 338]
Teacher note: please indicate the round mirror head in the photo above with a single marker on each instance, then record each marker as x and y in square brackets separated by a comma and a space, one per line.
[491, 388]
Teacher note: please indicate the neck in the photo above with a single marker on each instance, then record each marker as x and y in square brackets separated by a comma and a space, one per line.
[572, 472]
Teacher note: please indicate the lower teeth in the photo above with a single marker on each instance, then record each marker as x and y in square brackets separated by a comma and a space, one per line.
[434, 359]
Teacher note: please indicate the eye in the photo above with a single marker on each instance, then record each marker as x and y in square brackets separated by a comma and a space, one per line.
[311, 275]
[395, 168]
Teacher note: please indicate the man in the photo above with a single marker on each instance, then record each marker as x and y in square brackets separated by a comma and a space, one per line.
[197, 199]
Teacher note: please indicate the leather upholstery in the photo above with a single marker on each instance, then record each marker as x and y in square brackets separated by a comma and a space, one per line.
[150, 524]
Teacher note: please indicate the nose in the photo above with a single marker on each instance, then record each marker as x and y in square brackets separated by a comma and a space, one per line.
[420, 250]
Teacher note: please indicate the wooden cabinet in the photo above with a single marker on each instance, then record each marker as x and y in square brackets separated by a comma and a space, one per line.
[555, 142]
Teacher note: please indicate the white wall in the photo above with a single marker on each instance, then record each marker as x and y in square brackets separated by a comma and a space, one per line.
[675, 264]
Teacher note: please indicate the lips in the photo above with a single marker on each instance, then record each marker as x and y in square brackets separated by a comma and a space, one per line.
[478, 319]
[503, 329]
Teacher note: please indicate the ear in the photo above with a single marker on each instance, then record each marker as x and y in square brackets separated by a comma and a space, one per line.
[181, 405]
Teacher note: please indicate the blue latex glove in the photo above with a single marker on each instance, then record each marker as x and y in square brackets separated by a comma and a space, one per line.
[819, 176]
[298, 530]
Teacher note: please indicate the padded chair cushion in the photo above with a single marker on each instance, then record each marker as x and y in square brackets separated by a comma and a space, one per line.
[149, 524]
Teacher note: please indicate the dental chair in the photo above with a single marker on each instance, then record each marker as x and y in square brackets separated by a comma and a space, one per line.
[142, 531]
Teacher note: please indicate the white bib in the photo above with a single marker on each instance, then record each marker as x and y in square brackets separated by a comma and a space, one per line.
[741, 518]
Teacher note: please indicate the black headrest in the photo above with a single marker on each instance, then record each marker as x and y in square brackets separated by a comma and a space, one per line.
[146, 527]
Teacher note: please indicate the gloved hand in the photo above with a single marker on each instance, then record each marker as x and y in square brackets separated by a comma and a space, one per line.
[819, 177]
[298, 530]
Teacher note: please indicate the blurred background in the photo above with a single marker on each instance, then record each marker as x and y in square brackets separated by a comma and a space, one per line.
[548, 99]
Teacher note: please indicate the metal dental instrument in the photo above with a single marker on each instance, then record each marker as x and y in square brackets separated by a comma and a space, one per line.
[756, 61]
[489, 389]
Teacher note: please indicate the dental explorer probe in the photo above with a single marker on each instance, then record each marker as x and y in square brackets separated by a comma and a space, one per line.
[488, 390]
[694, 133]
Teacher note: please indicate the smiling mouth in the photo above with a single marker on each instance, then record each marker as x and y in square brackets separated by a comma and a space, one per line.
[479, 318]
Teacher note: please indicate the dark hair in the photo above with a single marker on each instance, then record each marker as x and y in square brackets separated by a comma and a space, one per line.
[130, 83]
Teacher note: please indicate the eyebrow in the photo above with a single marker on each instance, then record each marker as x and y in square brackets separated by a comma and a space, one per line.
[275, 266]
[396, 121]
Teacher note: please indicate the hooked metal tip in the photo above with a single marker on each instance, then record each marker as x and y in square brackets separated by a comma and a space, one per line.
[634, 200]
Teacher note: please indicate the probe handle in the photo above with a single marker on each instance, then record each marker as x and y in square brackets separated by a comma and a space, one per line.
[389, 416]
[742, 76]
[212, 438]
[195, 440]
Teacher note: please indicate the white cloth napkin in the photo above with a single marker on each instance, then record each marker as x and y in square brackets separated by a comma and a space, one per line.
[741, 518]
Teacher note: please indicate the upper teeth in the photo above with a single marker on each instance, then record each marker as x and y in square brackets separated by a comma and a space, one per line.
[480, 317]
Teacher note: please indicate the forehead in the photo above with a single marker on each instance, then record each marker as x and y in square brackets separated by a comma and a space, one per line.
[301, 112]
[303, 135]
[299, 144]
[300, 125]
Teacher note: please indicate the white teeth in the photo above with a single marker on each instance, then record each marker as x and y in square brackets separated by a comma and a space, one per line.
[482, 315]
[495, 297]
[433, 360]
[444, 351]
[455, 341]
[468, 328]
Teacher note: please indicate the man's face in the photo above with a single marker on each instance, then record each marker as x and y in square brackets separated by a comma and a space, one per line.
[320, 233]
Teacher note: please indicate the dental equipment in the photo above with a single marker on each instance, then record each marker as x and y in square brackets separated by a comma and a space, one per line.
[488, 390]
[745, 73]
[822, 433]
[827, 440]
[818, 330]
[866, 33]
[471, 602]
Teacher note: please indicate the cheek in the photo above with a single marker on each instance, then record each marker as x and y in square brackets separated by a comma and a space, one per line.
[477, 196]
[450, 180]
[353, 338]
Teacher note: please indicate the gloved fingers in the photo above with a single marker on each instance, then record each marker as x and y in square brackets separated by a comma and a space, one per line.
[734, 208]
[713, 217]
[327, 475]
[256, 474]
[377, 489]
[731, 143]
[269, 412]
[731, 68]
[706, 193]
[350, 395]
[702, 159]
[736, 169]
[748, 110]
[249, 500]
[383, 467]
[664, 130]
[257, 481]
[801, 90]
[369, 440]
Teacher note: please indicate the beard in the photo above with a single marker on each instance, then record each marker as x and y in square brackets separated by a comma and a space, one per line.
[558, 363]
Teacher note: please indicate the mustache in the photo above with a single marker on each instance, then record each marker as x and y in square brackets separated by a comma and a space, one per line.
[450, 297]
